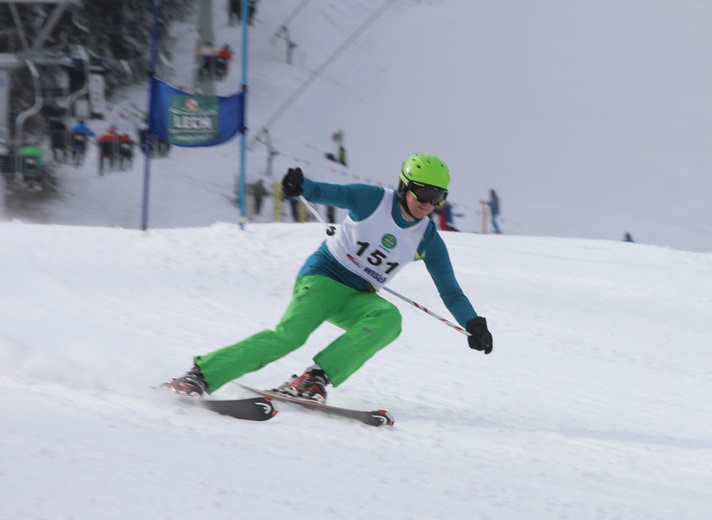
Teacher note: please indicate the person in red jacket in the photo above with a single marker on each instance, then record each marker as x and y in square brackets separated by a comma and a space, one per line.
[126, 145]
[108, 148]
[223, 59]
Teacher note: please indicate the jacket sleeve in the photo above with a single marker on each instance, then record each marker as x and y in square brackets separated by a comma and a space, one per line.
[360, 199]
[437, 261]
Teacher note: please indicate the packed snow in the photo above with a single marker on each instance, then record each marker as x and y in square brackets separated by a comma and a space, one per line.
[595, 403]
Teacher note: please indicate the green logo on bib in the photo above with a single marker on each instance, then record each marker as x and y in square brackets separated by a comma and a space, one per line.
[389, 241]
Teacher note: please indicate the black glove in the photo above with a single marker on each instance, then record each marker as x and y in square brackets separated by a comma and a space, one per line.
[292, 183]
[481, 338]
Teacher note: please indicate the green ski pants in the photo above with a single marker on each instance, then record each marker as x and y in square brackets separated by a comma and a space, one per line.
[370, 323]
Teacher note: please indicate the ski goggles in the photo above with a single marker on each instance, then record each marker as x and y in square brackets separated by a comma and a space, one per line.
[425, 193]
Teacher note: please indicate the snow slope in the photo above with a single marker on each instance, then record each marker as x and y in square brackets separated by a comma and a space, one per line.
[594, 404]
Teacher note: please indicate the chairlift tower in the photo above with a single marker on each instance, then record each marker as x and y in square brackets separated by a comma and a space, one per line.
[10, 61]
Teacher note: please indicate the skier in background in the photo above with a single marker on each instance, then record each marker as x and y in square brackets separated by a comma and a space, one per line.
[445, 217]
[384, 230]
[339, 155]
[159, 147]
[493, 204]
[224, 57]
[126, 146]
[206, 61]
[81, 134]
[235, 11]
[259, 192]
[108, 148]
[32, 165]
[58, 138]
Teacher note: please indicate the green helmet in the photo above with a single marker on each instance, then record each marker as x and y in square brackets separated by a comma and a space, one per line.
[425, 169]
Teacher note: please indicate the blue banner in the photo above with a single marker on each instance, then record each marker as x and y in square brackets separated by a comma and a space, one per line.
[185, 119]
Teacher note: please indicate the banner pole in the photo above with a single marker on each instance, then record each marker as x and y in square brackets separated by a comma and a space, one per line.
[148, 145]
[243, 136]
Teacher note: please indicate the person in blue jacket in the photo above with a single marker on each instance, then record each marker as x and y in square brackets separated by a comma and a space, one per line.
[80, 140]
[493, 204]
[384, 230]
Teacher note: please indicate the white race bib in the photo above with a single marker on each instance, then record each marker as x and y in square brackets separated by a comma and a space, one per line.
[376, 248]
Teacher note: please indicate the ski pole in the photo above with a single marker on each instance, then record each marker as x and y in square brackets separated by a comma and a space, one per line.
[428, 311]
[330, 230]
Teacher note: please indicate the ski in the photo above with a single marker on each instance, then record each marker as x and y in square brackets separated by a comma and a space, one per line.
[372, 417]
[250, 409]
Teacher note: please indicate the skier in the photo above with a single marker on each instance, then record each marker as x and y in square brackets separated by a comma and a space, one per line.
[340, 155]
[224, 57]
[126, 145]
[58, 138]
[108, 148]
[235, 7]
[206, 61]
[32, 165]
[259, 192]
[384, 230]
[80, 138]
[493, 204]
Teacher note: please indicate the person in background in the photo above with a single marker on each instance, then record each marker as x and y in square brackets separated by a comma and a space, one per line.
[259, 192]
[126, 145]
[235, 7]
[385, 229]
[81, 134]
[223, 61]
[494, 208]
[445, 217]
[58, 138]
[233, 11]
[628, 238]
[159, 147]
[206, 61]
[142, 133]
[339, 155]
[32, 165]
[108, 148]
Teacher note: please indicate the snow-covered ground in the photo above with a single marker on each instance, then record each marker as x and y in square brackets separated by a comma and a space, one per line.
[595, 404]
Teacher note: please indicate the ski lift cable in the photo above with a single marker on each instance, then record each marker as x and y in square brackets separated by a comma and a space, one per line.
[304, 86]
